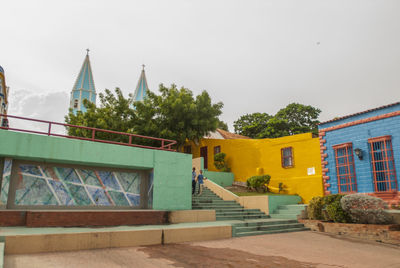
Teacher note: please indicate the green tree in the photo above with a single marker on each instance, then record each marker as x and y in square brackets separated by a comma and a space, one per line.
[295, 118]
[251, 125]
[114, 113]
[222, 125]
[300, 118]
[175, 114]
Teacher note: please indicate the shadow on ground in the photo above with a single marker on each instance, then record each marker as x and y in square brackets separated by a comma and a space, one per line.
[189, 256]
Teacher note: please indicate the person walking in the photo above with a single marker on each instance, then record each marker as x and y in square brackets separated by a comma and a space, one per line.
[200, 180]
[193, 181]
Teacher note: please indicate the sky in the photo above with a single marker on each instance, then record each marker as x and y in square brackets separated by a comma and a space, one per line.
[342, 56]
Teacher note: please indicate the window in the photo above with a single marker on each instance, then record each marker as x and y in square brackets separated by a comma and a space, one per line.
[287, 157]
[345, 170]
[75, 104]
[382, 161]
[187, 149]
[217, 150]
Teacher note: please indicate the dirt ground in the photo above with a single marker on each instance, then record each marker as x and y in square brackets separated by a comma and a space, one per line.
[291, 250]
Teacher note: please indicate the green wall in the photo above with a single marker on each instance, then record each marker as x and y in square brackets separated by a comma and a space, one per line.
[172, 170]
[275, 200]
[221, 178]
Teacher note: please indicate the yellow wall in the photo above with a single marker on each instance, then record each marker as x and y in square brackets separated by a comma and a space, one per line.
[248, 157]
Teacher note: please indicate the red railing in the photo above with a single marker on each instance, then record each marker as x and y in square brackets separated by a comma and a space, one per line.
[165, 143]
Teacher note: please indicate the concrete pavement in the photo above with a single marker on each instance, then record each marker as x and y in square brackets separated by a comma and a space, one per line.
[286, 250]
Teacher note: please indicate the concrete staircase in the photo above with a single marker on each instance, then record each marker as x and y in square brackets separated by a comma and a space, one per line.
[246, 222]
[225, 210]
[288, 212]
[268, 226]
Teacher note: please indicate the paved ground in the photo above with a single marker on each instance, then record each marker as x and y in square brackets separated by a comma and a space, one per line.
[288, 250]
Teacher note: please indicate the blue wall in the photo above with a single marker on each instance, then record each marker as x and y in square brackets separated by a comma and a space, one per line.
[359, 135]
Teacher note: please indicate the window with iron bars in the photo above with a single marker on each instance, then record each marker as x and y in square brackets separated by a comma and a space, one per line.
[345, 171]
[382, 162]
[287, 157]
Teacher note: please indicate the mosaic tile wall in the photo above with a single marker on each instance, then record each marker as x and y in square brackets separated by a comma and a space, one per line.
[64, 186]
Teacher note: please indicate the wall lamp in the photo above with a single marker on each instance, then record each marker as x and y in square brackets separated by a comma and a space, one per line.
[359, 153]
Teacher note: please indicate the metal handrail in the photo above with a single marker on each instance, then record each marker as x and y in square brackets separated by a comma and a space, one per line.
[166, 144]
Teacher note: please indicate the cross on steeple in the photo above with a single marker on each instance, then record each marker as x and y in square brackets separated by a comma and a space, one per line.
[87, 51]
[143, 66]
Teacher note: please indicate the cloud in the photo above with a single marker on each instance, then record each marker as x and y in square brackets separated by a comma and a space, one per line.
[49, 106]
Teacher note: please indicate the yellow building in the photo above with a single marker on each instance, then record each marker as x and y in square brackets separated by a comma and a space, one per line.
[294, 160]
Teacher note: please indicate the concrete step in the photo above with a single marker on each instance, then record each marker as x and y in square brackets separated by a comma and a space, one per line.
[268, 227]
[272, 231]
[264, 222]
[284, 216]
[230, 213]
[242, 217]
[215, 206]
[287, 211]
[292, 207]
[214, 201]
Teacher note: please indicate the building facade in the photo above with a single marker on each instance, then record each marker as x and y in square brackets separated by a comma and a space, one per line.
[83, 88]
[294, 161]
[4, 91]
[361, 153]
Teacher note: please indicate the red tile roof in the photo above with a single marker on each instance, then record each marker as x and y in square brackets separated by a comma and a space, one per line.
[230, 136]
[364, 112]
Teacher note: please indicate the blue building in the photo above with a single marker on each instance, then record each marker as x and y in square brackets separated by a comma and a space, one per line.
[83, 88]
[361, 153]
[3, 99]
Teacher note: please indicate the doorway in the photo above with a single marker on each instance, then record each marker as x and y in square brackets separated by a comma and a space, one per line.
[204, 154]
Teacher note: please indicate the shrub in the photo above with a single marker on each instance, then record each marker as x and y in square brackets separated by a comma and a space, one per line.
[220, 163]
[336, 213]
[332, 209]
[314, 209]
[258, 182]
[365, 209]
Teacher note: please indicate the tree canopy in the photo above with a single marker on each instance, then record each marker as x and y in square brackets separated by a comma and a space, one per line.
[295, 118]
[174, 114]
[251, 125]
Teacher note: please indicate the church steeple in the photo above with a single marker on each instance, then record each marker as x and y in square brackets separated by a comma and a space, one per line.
[141, 88]
[84, 87]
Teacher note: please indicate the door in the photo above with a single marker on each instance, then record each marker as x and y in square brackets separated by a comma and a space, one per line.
[204, 154]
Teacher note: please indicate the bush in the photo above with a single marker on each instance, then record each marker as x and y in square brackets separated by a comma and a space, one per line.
[336, 213]
[365, 209]
[220, 163]
[258, 182]
[327, 208]
[314, 209]
[332, 209]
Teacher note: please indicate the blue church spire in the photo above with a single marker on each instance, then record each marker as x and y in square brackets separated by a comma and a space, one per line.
[84, 87]
[141, 88]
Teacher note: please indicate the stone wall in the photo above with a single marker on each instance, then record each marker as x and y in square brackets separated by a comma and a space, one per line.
[380, 233]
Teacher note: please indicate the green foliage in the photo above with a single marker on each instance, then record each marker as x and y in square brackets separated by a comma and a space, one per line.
[294, 119]
[327, 208]
[222, 125]
[335, 211]
[314, 208]
[300, 118]
[174, 114]
[251, 125]
[113, 113]
[220, 163]
[258, 183]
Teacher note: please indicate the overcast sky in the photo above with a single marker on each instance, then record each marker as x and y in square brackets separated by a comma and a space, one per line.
[254, 56]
